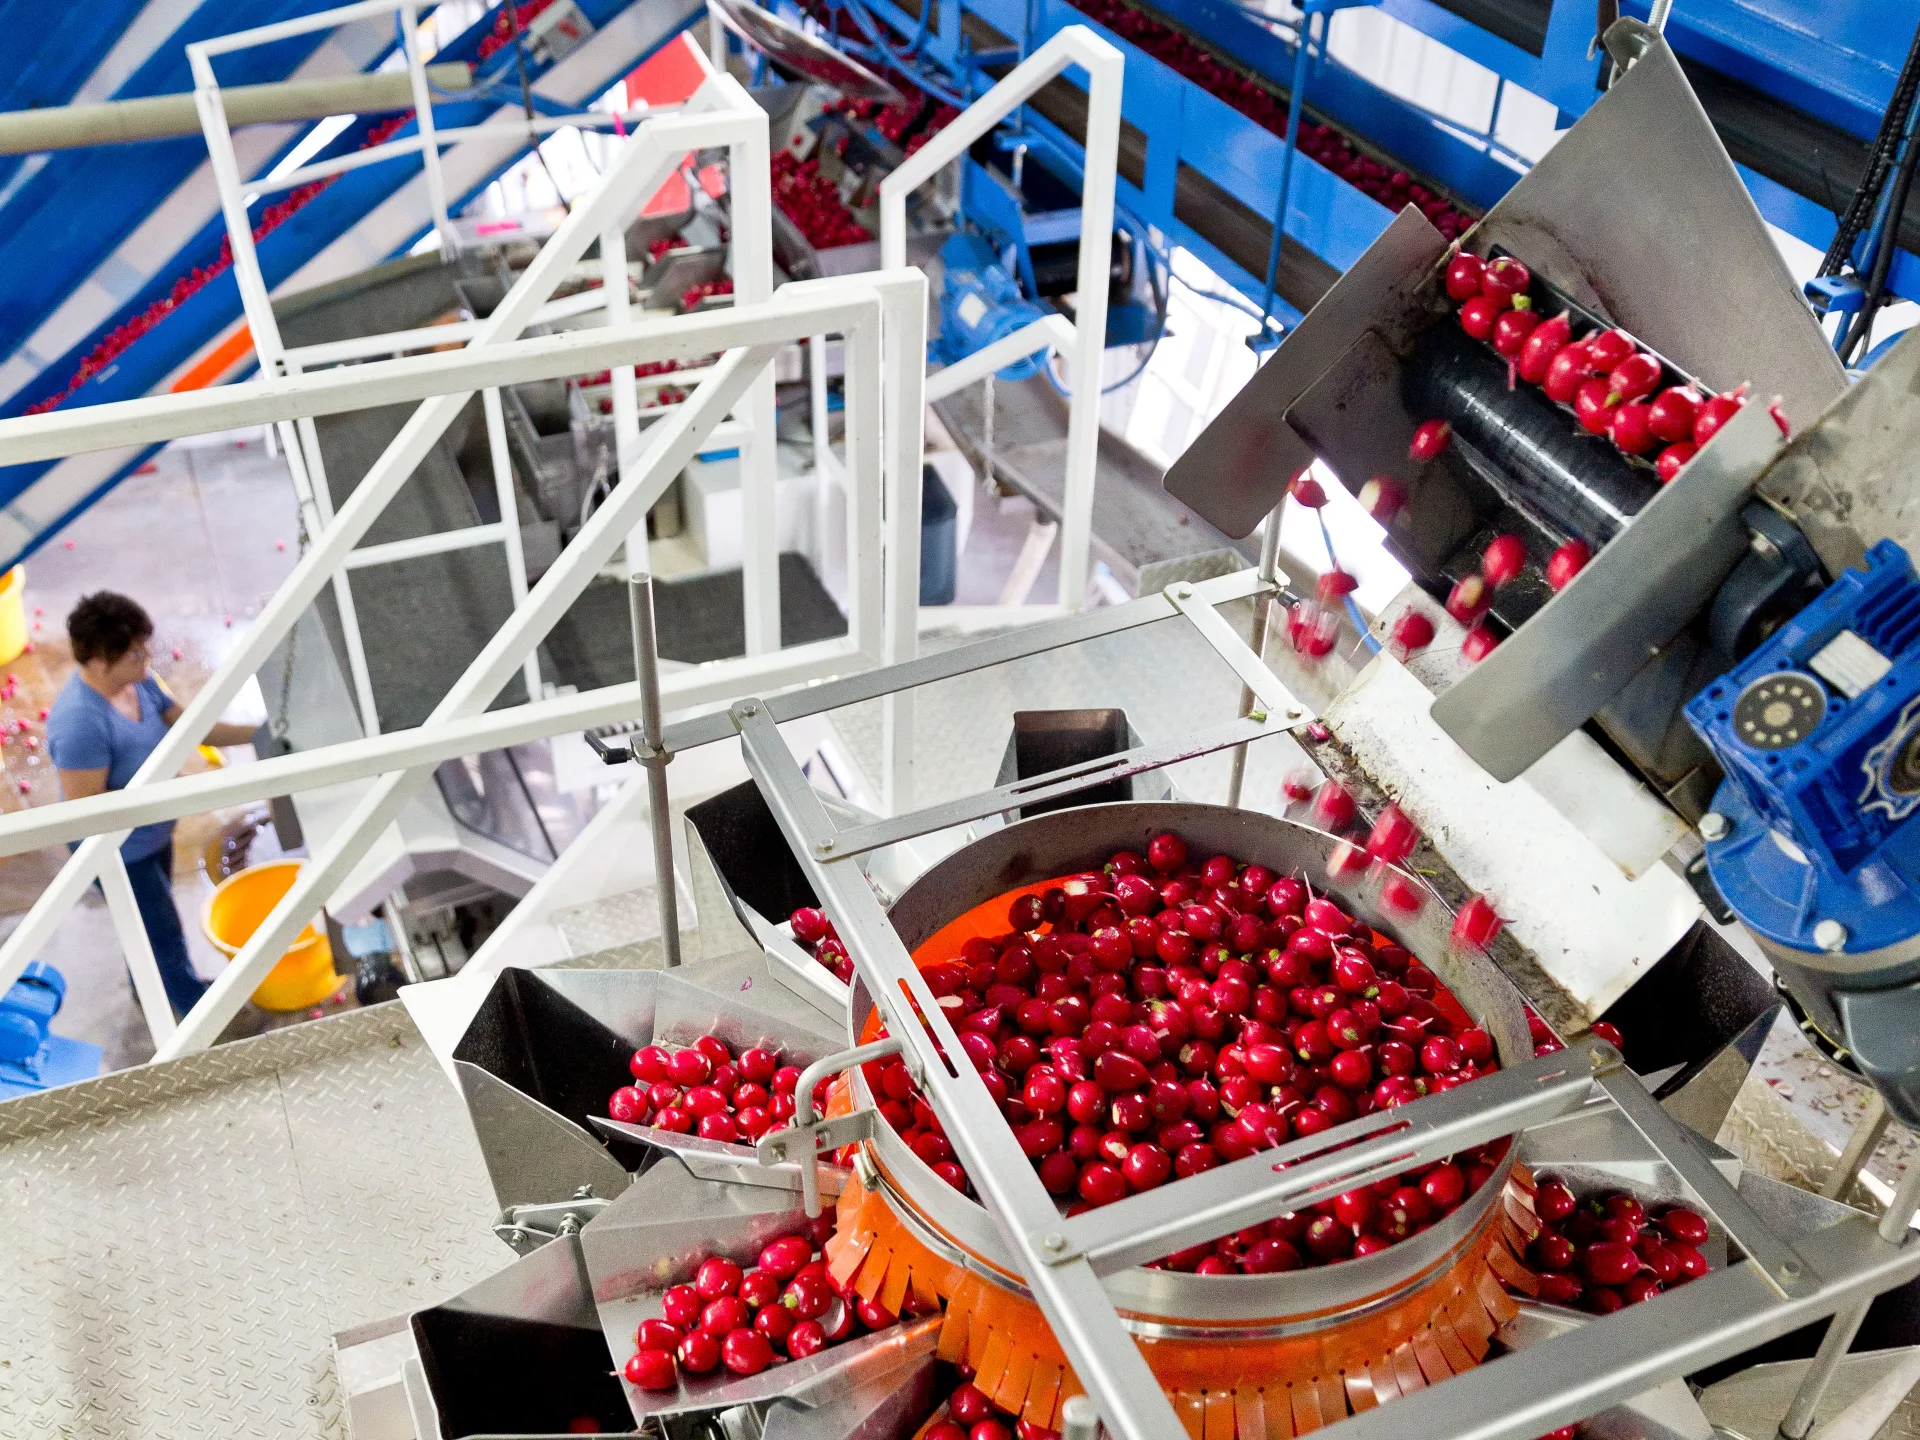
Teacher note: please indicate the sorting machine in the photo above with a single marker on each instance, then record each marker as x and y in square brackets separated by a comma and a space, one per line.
[1741, 643]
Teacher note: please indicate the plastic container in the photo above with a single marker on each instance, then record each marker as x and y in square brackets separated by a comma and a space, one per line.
[13, 614]
[304, 975]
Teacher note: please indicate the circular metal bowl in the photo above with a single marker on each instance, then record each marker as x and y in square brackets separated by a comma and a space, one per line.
[1164, 1302]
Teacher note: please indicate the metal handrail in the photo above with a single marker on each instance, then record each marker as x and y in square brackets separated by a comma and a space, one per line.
[752, 332]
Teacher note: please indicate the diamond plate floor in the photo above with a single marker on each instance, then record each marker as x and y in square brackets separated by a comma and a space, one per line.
[178, 1243]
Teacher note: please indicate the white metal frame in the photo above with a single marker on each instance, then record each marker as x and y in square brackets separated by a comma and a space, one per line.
[1083, 338]
[751, 264]
[882, 523]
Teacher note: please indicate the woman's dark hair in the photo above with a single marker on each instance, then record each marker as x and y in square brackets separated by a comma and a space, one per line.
[104, 626]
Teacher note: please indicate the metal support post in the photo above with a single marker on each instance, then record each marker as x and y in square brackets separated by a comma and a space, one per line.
[131, 931]
[423, 123]
[750, 192]
[902, 427]
[646, 666]
[1846, 1323]
[1867, 1134]
[509, 501]
[1269, 572]
[1079, 1420]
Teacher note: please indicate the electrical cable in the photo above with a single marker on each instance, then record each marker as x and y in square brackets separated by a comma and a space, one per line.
[1159, 332]
[526, 97]
[1886, 143]
[1883, 251]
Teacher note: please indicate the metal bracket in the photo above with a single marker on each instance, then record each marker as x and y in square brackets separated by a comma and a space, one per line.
[609, 754]
[801, 1142]
[528, 1227]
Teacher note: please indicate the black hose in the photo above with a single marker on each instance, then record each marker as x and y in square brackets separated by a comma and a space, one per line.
[1886, 144]
[1889, 241]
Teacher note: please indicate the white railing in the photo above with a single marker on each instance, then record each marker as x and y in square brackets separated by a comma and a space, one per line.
[1084, 338]
[882, 465]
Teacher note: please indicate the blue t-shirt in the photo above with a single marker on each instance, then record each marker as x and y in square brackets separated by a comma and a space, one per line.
[85, 732]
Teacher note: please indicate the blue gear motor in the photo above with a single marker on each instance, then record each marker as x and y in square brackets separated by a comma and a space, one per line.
[979, 304]
[1814, 838]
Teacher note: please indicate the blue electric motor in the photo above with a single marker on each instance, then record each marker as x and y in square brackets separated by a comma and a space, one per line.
[1814, 838]
[32, 1057]
[980, 303]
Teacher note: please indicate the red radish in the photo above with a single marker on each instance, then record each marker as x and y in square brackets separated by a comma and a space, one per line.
[746, 1352]
[1468, 600]
[1673, 460]
[1430, 439]
[1335, 586]
[699, 1352]
[1566, 562]
[1392, 838]
[1546, 342]
[1504, 279]
[1479, 315]
[681, 1304]
[651, 1370]
[1567, 372]
[1610, 1032]
[1630, 430]
[1332, 806]
[1298, 785]
[1553, 1202]
[1635, 376]
[1715, 412]
[1674, 411]
[1476, 924]
[1463, 276]
[1511, 330]
[1686, 1226]
[1776, 408]
[1609, 348]
[1312, 629]
[1503, 561]
[1382, 498]
[1307, 491]
[1594, 404]
[716, 1277]
[1412, 631]
[1608, 1263]
[1479, 644]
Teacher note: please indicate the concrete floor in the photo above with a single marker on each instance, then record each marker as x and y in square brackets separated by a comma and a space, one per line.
[201, 537]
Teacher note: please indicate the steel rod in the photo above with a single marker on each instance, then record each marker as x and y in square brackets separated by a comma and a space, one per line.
[1870, 1129]
[646, 666]
[1846, 1324]
[1268, 571]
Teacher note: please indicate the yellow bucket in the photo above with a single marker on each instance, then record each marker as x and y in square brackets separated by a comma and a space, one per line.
[304, 975]
[13, 614]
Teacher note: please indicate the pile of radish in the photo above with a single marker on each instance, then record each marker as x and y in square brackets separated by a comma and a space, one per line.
[1168, 1013]
[813, 203]
[815, 934]
[707, 1090]
[786, 1307]
[1613, 387]
[969, 1414]
[1608, 1251]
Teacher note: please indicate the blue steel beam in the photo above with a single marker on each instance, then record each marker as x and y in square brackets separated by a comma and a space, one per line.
[57, 227]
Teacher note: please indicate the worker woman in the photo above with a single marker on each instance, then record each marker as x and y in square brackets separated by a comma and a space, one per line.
[109, 717]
